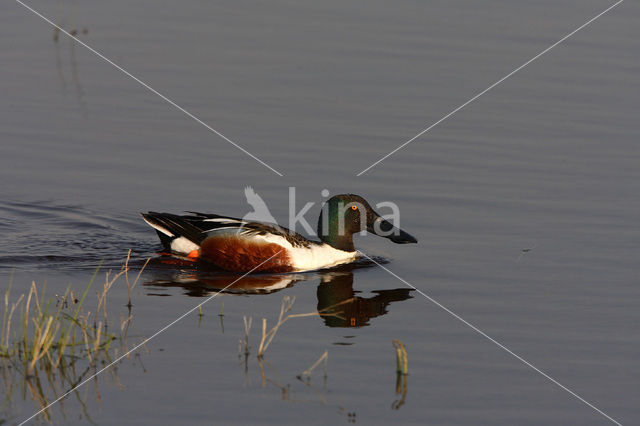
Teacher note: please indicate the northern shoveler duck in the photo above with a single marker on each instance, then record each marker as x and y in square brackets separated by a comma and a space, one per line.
[240, 246]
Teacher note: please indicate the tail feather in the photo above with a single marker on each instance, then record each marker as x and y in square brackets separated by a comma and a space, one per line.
[170, 226]
[165, 239]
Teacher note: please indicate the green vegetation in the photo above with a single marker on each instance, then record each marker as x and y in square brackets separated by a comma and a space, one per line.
[51, 333]
[53, 336]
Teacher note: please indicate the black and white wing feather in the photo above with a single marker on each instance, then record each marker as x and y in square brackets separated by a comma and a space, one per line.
[196, 227]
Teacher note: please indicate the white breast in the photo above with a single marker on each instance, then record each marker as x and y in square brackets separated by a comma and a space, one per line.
[319, 256]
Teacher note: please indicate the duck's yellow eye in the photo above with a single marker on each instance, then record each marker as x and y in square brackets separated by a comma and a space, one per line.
[354, 207]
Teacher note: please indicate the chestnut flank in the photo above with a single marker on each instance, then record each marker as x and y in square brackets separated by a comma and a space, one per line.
[240, 254]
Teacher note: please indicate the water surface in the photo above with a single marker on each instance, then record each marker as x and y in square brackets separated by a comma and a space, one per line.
[546, 162]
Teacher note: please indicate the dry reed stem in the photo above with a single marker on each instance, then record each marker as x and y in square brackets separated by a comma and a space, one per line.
[401, 357]
[125, 269]
[247, 328]
[8, 329]
[86, 343]
[42, 340]
[401, 373]
[96, 340]
[267, 337]
[25, 324]
[5, 313]
[124, 322]
[286, 305]
[102, 297]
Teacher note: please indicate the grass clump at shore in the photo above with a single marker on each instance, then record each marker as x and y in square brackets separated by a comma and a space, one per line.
[49, 344]
[52, 333]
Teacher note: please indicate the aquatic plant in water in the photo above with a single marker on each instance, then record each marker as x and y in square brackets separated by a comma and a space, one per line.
[56, 335]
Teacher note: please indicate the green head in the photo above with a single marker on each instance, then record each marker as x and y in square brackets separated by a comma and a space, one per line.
[346, 214]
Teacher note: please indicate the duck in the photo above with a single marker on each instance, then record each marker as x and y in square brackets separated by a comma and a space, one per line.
[244, 246]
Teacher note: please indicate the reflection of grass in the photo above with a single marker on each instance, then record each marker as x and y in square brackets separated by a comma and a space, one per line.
[49, 336]
[42, 382]
[267, 338]
[244, 343]
[307, 372]
[268, 374]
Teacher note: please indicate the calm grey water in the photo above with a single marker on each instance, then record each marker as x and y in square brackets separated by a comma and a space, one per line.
[548, 161]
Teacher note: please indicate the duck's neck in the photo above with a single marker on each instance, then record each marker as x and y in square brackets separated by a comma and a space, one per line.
[328, 233]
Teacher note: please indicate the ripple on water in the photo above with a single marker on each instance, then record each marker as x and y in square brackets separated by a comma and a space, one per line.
[44, 234]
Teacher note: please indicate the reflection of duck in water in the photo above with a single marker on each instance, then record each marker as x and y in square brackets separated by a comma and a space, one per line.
[341, 307]
[203, 282]
[338, 303]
